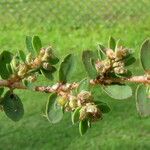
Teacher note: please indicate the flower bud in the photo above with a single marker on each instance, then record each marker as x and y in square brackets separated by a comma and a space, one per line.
[22, 70]
[83, 113]
[100, 66]
[46, 66]
[46, 57]
[29, 58]
[15, 63]
[118, 64]
[61, 101]
[83, 97]
[73, 102]
[31, 78]
[110, 54]
[120, 70]
[48, 50]
[121, 53]
[42, 52]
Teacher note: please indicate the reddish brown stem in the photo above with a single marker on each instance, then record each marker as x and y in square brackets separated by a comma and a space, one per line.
[59, 87]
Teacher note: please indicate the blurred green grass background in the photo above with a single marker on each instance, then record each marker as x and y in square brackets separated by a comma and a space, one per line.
[122, 128]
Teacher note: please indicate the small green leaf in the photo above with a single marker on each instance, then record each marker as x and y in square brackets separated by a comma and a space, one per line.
[54, 60]
[87, 56]
[117, 45]
[145, 55]
[101, 52]
[27, 84]
[118, 91]
[54, 111]
[83, 127]
[37, 44]
[143, 100]
[112, 43]
[127, 74]
[47, 74]
[103, 106]
[75, 115]
[29, 45]
[5, 59]
[9, 69]
[129, 61]
[102, 48]
[13, 106]
[22, 55]
[66, 68]
[1, 91]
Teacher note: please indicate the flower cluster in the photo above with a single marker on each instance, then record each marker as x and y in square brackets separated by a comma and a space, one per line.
[85, 101]
[114, 62]
[28, 68]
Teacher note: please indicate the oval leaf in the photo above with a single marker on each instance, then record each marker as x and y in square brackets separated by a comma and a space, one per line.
[87, 56]
[143, 101]
[129, 61]
[103, 106]
[47, 74]
[5, 59]
[145, 55]
[1, 91]
[118, 91]
[29, 45]
[112, 43]
[83, 127]
[22, 55]
[37, 44]
[13, 106]
[101, 55]
[66, 68]
[75, 115]
[54, 112]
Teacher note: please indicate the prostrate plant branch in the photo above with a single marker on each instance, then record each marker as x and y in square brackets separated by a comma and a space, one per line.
[107, 67]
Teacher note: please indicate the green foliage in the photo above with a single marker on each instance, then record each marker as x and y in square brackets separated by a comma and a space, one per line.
[83, 127]
[1, 91]
[129, 60]
[33, 44]
[54, 112]
[66, 68]
[105, 67]
[29, 45]
[101, 52]
[5, 59]
[112, 43]
[103, 107]
[48, 73]
[118, 91]
[75, 115]
[22, 55]
[143, 100]
[37, 44]
[145, 55]
[13, 106]
[87, 57]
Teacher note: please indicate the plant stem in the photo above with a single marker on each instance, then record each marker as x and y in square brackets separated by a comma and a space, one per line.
[134, 79]
[59, 86]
